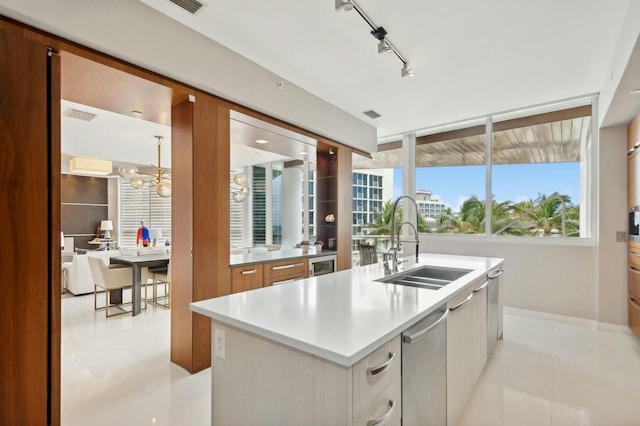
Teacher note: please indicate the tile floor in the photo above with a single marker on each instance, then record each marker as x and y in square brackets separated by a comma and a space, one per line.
[548, 370]
[560, 371]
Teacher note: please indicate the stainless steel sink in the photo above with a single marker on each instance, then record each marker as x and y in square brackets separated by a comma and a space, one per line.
[431, 277]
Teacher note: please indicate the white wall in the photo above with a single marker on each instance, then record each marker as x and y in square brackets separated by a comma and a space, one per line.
[612, 215]
[134, 32]
[548, 278]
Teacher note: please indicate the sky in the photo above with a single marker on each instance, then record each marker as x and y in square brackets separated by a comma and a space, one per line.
[514, 182]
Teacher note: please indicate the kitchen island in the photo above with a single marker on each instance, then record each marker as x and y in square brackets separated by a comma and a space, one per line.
[289, 354]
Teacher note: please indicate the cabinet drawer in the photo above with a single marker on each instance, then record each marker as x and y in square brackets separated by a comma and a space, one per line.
[375, 372]
[634, 313]
[285, 279]
[245, 278]
[633, 279]
[634, 257]
[286, 268]
[384, 407]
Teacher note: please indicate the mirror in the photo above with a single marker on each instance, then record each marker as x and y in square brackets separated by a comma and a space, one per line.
[270, 185]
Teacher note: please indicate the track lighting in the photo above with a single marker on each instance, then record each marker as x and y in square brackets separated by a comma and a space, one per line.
[383, 47]
[406, 71]
[384, 44]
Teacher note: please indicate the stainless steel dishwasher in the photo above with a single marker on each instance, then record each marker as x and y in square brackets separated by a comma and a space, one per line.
[424, 371]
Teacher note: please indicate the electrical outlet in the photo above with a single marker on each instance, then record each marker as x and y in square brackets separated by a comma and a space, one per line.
[220, 344]
[621, 236]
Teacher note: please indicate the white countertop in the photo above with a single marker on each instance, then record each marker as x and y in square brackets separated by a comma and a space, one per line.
[275, 255]
[344, 316]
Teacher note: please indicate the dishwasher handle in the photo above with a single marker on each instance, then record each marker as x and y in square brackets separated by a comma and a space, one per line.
[410, 338]
[495, 273]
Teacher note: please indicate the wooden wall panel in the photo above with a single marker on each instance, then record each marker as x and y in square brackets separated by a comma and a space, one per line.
[200, 163]
[633, 132]
[211, 246]
[182, 229]
[84, 189]
[24, 252]
[55, 311]
[345, 207]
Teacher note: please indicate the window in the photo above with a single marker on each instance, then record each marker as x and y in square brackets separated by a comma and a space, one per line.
[377, 182]
[450, 181]
[142, 204]
[538, 173]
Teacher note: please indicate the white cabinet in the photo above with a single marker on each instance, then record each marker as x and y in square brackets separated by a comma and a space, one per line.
[478, 329]
[261, 382]
[376, 372]
[384, 409]
[459, 358]
[466, 346]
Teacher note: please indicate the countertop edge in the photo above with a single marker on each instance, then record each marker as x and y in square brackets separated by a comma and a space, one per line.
[328, 355]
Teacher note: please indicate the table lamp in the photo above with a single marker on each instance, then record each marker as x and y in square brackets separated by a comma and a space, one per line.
[155, 234]
[107, 227]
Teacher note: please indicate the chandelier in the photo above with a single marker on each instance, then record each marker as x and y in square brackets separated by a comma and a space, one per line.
[241, 181]
[161, 180]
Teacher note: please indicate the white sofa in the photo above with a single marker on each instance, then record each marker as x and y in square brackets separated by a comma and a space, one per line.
[78, 276]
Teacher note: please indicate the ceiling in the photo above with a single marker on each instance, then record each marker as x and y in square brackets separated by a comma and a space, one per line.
[470, 58]
[127, 112]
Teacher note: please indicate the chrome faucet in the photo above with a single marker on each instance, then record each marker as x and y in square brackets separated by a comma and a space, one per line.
[394, 248]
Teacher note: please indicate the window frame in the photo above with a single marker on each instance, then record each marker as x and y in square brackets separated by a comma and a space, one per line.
[519, 117]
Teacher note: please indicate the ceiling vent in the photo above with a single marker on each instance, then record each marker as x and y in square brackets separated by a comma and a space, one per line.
[371, 114]
[191, 6]
[80, 115]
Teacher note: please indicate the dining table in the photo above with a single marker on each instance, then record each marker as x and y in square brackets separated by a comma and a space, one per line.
[137, 262]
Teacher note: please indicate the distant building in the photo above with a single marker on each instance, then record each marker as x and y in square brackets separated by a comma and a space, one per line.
[429, 207]
[371, 189]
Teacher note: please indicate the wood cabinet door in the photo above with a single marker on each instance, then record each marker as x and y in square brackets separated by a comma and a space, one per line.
[634, 313]
[245, 278]
[633, 180]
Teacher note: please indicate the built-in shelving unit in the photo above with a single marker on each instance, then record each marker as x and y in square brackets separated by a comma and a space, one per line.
[327, 196]
[84, 203]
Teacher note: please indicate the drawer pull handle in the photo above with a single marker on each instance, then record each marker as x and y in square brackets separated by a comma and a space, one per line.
[286, 281]
[252, 271]
[634, 270]
[382, 420]
[374, 371]
[292, 265]
[486, 283]
[459, 305]
[631, 253]
[495, 273]
[633, 302]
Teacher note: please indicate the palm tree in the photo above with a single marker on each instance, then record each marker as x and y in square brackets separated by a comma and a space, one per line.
[382, 220]
[548, 216]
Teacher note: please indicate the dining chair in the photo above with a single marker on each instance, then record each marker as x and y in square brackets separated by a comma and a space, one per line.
[368, 254]
[162, 277]
[113, 277]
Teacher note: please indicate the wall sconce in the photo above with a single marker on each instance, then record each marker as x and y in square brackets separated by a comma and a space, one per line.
[241, 181]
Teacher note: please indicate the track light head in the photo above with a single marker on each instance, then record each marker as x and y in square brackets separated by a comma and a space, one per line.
[345, 5]
[406, 71]
[383, 47]
[379, 33]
